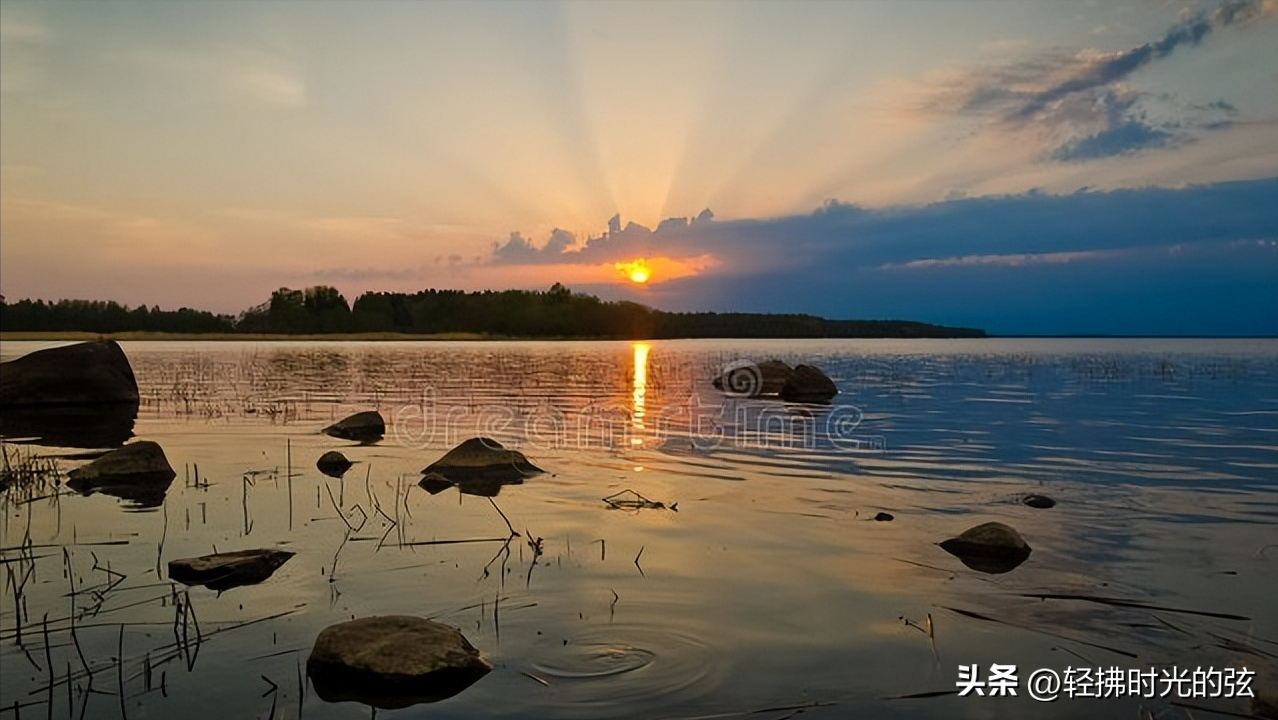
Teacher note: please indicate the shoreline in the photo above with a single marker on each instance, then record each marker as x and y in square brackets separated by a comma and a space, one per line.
[54, 336]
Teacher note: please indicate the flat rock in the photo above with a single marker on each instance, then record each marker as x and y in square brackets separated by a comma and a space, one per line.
[84, 373]
[362, 427]
[333, 464]
[393, 661]
[223, 571]
[991, 547]
[808, 384]
[482, 460]
[138, 472]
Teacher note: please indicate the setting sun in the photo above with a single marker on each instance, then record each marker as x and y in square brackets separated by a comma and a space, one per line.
[637, 270]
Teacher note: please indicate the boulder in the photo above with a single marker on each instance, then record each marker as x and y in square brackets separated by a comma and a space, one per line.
[86, 373]
[991, 547]
[482, 460]
[1042, 502]
[363, 427]
[753, 380]
[884, 517]
[333, 464]
[808, 385]
[393, 662]
[138, 472]
[227, 570]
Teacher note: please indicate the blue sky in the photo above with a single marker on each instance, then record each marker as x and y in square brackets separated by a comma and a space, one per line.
[1027, 167]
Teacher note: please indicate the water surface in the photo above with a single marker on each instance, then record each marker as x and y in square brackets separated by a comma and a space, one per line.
[763, 583]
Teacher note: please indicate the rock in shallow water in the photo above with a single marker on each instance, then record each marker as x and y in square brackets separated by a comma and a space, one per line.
[393, 661]
[84, 373]
[362, 427]
[480, 466]
[1042, 502]
[333, 464]
[223, 571]
[991, 548]
[138, 472]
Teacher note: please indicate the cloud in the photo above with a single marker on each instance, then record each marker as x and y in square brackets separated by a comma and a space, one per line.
[1081, 103]
[1030, 262]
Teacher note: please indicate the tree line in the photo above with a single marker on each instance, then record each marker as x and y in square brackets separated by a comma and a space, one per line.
[555, 313]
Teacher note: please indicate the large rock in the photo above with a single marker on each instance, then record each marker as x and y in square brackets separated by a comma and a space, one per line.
[84, 373]
[393, 661]
[754, 380]
[808, 385]
[991, 547]
[479, 466]
[362, 427]
[227, 570]
[138, 472]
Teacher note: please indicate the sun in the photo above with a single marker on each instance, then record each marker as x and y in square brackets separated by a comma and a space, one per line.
[636, 270]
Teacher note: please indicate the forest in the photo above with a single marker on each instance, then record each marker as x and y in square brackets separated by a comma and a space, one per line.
[554, 313]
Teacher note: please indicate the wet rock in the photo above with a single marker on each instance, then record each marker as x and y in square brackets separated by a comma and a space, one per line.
[482, 459]
[363, 427]
[754, 380]
[1042, 502]
[85, 373]
[991, 548]
[884, 517]
[808, 385]
[138, 473]
[227, 570]
[333, 464]
[393, 662]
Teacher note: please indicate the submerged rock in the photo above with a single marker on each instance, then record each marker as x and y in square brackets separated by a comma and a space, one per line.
[333, 464]
[479, 466]
[393, 662]
[84, 373]
[991, 548]
[227, 570]
[363, 427]
[754, 380]
[808, 385]
[1042, 502]
[138, 472]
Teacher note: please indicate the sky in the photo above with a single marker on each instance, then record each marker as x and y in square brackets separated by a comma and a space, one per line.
[1048, 167]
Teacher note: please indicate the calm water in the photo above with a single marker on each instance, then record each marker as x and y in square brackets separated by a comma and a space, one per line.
[769, 586]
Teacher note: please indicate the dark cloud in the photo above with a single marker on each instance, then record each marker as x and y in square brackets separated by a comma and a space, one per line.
[1012, 264]
[1081, 102]
[1130, 136]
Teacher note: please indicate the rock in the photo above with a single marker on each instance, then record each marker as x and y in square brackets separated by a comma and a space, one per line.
[991, 547]
[751, 380]
[885, 517]
[84, 373]
[333, 464]
[363, 427]
[482, 461]
[227, 570]
[1041, 502]
[137, 472]
[393, 662]
[808, 385]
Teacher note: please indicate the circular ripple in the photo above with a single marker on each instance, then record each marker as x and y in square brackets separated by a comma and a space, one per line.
[617, 664]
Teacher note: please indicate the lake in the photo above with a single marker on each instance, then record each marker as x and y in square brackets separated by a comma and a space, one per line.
[754, 582]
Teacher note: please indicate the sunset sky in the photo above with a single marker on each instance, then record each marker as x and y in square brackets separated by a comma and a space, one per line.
[1025, 167]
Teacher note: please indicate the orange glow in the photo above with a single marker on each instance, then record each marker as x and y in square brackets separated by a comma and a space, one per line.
[637, 270]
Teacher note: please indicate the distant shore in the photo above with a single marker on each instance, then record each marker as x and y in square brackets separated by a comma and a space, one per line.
[215, 337]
